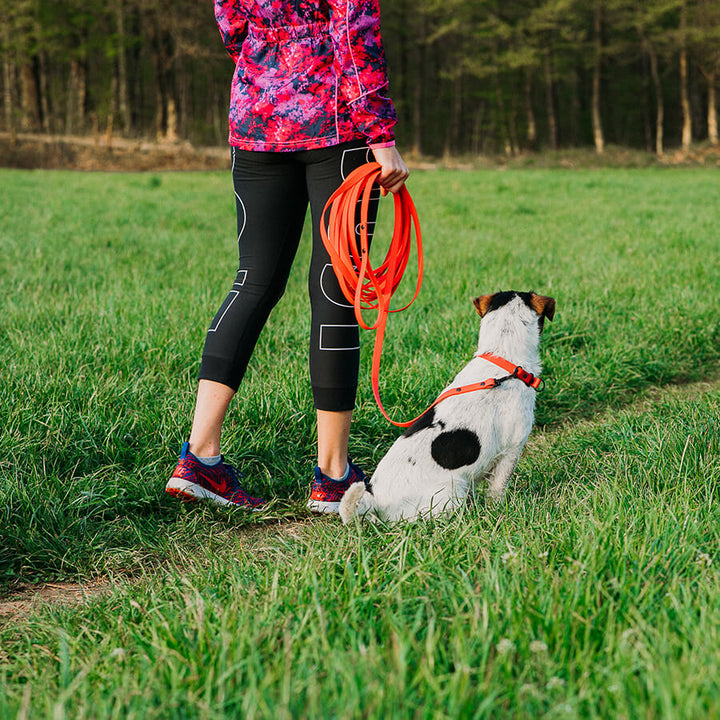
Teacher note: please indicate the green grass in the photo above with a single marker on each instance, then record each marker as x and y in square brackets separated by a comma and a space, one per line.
[591, 593]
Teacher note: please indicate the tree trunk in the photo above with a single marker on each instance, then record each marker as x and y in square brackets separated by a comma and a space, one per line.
[163, 47]
[417, 118]
[477, 128]
[402, 84]
[684, 95]
[660, 108]
[502, 117]
[552, 121]
[77, 93]
[576, 118]
[685, 101]
[30, 118]
[123, 91]
[7, 95]
[417, 59]
[44, 91]
[596, 117]
[8, 78]
[171, 127]
[647, 124]
[712, 119]
[452, 133]
[529, 112]
[512, 125]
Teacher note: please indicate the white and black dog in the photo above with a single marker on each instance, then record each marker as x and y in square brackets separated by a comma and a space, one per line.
[472, 434]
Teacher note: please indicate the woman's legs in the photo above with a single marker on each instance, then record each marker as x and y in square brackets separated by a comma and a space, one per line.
[272, 192]
[271, 200]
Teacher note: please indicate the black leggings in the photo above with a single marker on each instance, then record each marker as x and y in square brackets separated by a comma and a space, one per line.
[272, 191]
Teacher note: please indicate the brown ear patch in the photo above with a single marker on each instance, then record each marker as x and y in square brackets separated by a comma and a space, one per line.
[482, 304]
[543, 306]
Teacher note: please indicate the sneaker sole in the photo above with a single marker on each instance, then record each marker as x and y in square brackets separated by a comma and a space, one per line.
[324, 507]
[192, 492]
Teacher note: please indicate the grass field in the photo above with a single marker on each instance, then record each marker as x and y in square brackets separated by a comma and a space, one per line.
[592, 592]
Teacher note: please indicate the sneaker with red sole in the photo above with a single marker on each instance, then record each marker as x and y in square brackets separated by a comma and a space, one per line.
[219, 483]
[327, 493]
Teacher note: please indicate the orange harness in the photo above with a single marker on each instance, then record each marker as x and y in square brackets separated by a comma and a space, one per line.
[372, 288]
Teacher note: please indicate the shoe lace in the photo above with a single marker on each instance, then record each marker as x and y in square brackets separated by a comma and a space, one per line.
[234, 473]
[238, 493]
[359, 474]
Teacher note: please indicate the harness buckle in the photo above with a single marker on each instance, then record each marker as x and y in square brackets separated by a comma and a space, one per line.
[528, 378]
[523, 375]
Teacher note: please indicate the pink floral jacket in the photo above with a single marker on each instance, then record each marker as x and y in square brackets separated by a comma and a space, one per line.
[309, 73]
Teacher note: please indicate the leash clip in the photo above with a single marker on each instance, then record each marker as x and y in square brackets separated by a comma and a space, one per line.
[496, 382]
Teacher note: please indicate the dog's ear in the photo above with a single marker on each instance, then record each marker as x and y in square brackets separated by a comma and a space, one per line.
[482, 304]
[543, 306]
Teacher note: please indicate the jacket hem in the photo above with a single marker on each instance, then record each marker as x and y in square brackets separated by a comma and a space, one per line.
[294, 145]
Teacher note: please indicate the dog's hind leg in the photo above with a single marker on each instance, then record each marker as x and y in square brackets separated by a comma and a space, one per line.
[499, 476]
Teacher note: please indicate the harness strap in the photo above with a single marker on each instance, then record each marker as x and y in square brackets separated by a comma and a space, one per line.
[515, 370]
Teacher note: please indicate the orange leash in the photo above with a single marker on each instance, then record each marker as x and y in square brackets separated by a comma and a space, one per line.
[369, 288]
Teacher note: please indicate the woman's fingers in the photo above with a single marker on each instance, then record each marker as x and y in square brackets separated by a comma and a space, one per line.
[393, 172]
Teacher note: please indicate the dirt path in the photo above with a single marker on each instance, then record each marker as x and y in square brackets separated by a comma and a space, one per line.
[653, 396]
[25, 599]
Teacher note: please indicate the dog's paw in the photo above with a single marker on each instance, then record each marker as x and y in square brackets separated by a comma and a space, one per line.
[495, 497]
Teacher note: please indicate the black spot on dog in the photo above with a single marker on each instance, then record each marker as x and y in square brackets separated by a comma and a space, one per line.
[426, 420]
[455, 448]
[501, 299]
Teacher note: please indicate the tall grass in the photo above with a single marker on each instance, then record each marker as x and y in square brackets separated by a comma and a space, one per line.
[590, 593]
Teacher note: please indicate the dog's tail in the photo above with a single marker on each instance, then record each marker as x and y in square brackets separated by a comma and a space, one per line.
[356, 501]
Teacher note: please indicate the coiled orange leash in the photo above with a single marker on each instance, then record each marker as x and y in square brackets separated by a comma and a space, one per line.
[366, 287]
[369, 288]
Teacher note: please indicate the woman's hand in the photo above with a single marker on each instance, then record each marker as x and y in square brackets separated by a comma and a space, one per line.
[394, 171]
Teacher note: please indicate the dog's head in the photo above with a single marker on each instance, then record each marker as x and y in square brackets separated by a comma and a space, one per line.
[543, 307]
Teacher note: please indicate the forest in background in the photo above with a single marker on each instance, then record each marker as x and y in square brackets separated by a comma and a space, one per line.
[467, 76]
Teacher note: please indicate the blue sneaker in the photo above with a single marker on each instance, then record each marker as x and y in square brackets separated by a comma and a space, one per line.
[327, 493]
[219, 483]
